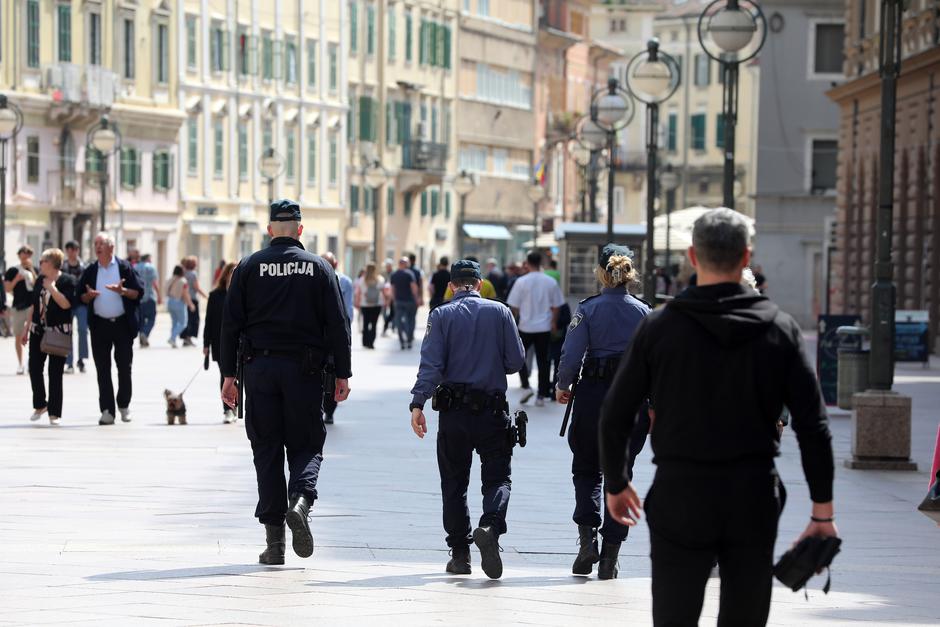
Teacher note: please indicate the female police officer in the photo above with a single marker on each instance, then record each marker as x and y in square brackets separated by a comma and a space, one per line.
[598, 334]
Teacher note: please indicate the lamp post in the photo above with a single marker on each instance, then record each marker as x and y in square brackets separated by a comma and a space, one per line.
[270, 165]
[668, 182]
[105, 138]
[536, 194]
[582, 159]
[612, 110]
[374, 176]
[726, 28]
[11, 121]
[652, 77]
[463, 185]
[593, 138]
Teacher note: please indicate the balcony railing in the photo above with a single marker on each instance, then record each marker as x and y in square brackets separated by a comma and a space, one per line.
[418, 154]
[89, 85]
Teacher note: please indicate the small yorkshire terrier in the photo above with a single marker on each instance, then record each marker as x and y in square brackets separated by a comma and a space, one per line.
[175, 408]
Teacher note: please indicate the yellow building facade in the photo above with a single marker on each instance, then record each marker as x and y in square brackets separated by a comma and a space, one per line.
[64, 64]
[258, 76]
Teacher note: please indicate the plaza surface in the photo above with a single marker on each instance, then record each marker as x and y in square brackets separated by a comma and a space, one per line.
[143, 523]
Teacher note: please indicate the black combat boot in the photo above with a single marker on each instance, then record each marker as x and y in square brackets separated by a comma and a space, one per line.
[297, 513]
[607, 569]
[459, 563]
[587, 555]
[274, 554]
[487, 540]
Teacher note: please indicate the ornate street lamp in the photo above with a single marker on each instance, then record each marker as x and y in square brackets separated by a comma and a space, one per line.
[463, 185]
[726, 32]
[652, 77]
[105, 138]
[271, 165]
[536, 194]
[582, 157]
[374, 176]
[611, 110]
[11, 121]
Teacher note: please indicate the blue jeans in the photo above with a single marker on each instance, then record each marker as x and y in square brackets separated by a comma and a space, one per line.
[405, 312]
[178, 315]
[148, 316]
[80, 313]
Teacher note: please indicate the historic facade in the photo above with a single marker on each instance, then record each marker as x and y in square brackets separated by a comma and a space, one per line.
[916, 249]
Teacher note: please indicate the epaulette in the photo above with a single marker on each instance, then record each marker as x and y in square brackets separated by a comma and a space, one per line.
[588, 298]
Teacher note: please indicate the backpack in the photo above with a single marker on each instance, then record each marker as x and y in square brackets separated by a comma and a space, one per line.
[372, 294]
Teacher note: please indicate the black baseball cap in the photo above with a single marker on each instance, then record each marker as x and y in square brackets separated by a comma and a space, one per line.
[285, 211]
[612, 250]
[465, 269]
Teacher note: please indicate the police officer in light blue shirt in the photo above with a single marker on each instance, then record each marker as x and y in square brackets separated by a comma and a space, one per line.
[470, 345]
[598, 335]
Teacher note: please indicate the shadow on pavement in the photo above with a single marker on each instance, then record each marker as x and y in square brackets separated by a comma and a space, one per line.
[471, 582]
[234, 570]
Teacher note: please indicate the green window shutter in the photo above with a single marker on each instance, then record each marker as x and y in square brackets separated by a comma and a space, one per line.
[354, 198]
[369, 194]
[447, 205]
[698, 131]
[671, 134]
[65, 33]
[388, 123]
[390, 200]
[447, 44]
[432, 41]
[422, 43]
[353, 26]
[312, 158]
[720, 130]
[370, 29]
[392, 32]
[435, 202]
[155, 171]
[278, 59]
[424, 203]
[365, 118]
[226, 50]
[406, 199]
[409, 28]
[32, 33]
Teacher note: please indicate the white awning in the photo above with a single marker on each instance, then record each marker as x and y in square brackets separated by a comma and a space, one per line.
[244, 111]
[193, 104]
[290, 116]
[313, 118]
[487, 231]
[334, 123]
[219, 107]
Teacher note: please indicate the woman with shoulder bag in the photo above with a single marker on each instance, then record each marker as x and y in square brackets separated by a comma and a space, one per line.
[49, 334]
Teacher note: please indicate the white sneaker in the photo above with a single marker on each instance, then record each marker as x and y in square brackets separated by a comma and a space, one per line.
[540, 402]
[70, 370]
[106, 418]
[172, 343]
[37, 414]
[53, 420]
[125, 414]
[21, 370]
[229, 417]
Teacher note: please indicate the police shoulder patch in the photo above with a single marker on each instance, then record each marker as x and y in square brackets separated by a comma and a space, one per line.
[576, 320]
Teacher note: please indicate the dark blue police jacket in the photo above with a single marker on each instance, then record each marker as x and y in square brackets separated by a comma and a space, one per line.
[469, 340]
[286, 299]
[131, 282]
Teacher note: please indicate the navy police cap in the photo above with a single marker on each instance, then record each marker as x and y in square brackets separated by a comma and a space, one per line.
[612, 250]
[465, 269]
[285, 211]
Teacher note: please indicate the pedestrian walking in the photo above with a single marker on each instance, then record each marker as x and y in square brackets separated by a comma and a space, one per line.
[598, 334]
[471, 344]
[345, 286]
[19, 281]
[73, 268]
[437, 286]
[419, 277]
[285, 311]
[150, 281]
[738, 360]
[404, 291]
[50, 313]
[212, 329]
[190, 265]
[178, 303]
[535, 300]
[369, 299]
[497, 277]
[110, 287]
[388, 314]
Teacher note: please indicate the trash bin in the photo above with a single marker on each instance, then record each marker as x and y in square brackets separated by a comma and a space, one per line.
[853, 375]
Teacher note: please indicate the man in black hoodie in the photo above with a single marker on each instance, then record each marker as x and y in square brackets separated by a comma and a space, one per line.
[738, 360]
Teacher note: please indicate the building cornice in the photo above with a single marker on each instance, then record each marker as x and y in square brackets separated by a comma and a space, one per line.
[872, 80]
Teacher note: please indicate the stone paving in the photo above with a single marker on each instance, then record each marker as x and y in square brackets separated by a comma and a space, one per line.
[143, 523]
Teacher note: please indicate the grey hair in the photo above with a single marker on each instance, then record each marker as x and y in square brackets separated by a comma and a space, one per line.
[106, 237]
[721, 237]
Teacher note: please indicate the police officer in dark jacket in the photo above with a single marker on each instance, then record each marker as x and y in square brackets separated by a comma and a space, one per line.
[470, 345]
[283, 315]
[598, 334]
[719, 364]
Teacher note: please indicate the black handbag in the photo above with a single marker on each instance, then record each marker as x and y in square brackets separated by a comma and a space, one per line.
[807, 558]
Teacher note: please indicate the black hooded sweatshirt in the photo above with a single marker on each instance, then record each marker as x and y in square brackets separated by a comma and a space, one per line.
[718, 364]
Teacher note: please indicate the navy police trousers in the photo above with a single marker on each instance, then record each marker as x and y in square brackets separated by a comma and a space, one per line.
[586, 467]
[460, 432]
[283, 413]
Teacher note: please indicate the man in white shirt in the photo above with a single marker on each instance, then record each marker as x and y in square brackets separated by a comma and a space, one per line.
[535, 299]
[111, 289]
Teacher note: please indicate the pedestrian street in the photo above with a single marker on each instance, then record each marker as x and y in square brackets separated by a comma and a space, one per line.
[143, 523]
